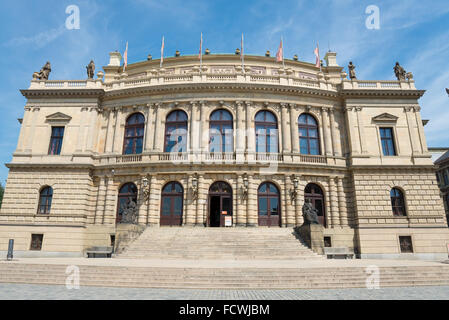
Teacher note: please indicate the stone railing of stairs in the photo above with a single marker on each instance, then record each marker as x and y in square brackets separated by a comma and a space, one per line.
[125, 234]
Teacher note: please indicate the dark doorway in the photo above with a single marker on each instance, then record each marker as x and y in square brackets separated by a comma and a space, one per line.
[220, 204]
[315, 195]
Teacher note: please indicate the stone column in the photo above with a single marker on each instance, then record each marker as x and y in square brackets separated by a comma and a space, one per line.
[93, 113]
[361, 130]
[24, 130]
[142, 204]
[299, 202]
[353, 135]
[118, 133]
[251, 211]
[194, 130]
[154, 201]
[333, 199]
[342, 203]
[158, 126]
[250, 130]
[414, 142]
[327, 132]
[204, 133]
[240, 214]
[294, 129]
[80, 136]
[286, 133]
[99, 204]
[202, 194]
[190, 215]
[336, 143]
[31, 133]
[149, 133]
[290, 220]
[109, 132]
[420, 126]
[240, 134]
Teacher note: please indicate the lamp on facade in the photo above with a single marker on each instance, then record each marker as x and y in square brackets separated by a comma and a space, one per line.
[146, 188]
[245, 186]
[195, 186]
[294, 191]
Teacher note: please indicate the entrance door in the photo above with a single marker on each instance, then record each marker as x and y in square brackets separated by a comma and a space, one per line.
[268, 205]
[220, 204]
[172, 204]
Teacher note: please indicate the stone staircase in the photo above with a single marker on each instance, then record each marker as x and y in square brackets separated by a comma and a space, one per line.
[218, 244]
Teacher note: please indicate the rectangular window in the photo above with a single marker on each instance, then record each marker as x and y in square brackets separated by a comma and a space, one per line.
[446, 178]
[406, 244]
[327, 242]
[57, 134]
[36, 242]
[387, 140]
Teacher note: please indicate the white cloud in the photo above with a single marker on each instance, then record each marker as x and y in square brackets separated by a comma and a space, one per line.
[39, 40]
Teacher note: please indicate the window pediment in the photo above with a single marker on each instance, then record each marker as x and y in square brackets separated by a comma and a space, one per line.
[58, 117]
[385, 117]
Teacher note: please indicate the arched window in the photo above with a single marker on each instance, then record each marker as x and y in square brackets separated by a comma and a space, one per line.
[309, 141]
[266, 132]
[268, 205]
[221, 137]
[172, 204]
[397, 202]
[134, 129]
[45, 198]
[127, 202]
[314, 194]
[176, 132]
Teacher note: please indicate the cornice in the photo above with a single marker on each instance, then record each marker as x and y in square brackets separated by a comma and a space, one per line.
[208, 87]
[354, 93]
[28, 93]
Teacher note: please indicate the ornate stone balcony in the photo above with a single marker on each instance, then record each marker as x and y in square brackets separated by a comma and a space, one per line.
[210, 158]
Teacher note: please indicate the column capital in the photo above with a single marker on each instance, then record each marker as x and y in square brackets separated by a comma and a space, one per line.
[358, 109]
[248, 103]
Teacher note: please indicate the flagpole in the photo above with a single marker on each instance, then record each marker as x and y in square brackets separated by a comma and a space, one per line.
[243, 56]
[201, 54]
[162, 52]
[283, 63]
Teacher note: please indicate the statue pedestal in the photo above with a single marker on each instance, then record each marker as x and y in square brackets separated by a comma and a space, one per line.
[313, 236]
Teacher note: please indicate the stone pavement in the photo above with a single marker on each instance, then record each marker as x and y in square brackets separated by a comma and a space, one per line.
[203, 263]
[49, 292]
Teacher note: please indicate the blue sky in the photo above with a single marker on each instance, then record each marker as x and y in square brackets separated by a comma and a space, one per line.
[415, 33]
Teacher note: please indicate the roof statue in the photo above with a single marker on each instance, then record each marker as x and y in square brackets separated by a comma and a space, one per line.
[90, 70]
[351, 69]
[399, 72]
[44, 73]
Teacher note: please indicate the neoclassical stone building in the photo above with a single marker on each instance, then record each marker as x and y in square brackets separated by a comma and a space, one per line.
[223, 144]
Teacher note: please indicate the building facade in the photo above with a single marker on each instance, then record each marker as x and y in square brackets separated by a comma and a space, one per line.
[221, 144]
[443, 180]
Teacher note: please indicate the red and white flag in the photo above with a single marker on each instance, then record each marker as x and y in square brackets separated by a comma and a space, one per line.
[317, 55]
[280, 53]
[125, 58]
[162, 51]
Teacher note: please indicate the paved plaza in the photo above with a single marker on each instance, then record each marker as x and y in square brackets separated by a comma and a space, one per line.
[50, 292]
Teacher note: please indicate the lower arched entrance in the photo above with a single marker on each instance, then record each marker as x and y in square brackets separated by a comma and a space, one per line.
[172, 204]
[268, 205]
[220, 204]
[314, 194]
